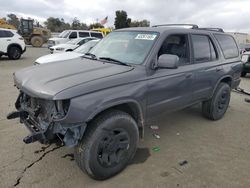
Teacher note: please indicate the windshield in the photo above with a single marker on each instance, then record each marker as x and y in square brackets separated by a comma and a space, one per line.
[86, 47]
[64, 34]
[126, 46]
[74, 41]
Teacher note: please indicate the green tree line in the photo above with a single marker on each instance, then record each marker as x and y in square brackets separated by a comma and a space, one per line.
[59, 24]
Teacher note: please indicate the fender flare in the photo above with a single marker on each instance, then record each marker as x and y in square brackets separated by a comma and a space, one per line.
[14, 44]
[139, 110]
[220, 80]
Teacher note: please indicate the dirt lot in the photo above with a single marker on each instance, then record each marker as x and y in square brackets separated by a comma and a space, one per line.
[217, 153]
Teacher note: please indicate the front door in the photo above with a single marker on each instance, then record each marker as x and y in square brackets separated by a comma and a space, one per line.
[171, 89]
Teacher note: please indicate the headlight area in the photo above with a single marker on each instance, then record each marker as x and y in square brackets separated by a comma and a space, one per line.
[61, 109]
[43, 118]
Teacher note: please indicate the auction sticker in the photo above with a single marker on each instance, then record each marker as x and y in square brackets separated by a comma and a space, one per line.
[146, 36]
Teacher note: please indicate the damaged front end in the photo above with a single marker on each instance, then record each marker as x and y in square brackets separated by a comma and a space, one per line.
[43, 119]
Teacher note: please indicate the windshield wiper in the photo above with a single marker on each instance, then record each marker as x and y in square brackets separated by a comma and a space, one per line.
[114, 60]
[93, 56]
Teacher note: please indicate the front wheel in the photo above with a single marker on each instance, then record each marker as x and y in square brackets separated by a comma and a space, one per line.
[108, 145]
[37, 41]
[14, 52]
[216, 107]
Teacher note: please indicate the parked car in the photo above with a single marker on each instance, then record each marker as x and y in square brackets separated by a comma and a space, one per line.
[101, 103]
[67, 56]
[244, 48]
[11, 44]
[68, 35]
[246, 63]
[70, 45]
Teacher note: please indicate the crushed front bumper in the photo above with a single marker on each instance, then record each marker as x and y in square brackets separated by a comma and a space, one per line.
[46, 130]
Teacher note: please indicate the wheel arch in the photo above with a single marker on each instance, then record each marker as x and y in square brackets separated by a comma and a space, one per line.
[225, 79]
[14, 45]
[131, 107]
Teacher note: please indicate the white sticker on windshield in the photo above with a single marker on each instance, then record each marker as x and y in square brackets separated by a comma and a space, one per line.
[145, 36]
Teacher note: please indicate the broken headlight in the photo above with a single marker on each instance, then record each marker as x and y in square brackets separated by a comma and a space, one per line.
[61, 107]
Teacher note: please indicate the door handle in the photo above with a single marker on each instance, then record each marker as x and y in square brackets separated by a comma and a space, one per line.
[218, 69]
[188, 75]
[8, 40]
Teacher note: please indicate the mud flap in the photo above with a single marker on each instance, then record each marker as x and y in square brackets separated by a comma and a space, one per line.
[72, 134]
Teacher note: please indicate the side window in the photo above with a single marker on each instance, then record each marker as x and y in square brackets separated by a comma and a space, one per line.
[203, 49]
[83, 34]
[228, 45]
[2, 34]
[73, 35]
[83, 41]
[8, 34]
[97, 35]
[176, 45]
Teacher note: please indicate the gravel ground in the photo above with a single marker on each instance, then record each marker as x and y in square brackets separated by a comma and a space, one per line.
[216, 153]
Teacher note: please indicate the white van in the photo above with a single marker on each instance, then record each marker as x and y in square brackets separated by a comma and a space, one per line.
[67, 35]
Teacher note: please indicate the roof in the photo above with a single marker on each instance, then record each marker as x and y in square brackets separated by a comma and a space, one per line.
[83, 31]
[8, 29]
[176, 28]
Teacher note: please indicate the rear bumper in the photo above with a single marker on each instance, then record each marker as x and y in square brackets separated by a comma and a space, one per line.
[24, 50]
[246, 68]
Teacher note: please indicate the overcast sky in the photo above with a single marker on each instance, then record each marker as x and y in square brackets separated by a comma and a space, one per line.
[232, 15]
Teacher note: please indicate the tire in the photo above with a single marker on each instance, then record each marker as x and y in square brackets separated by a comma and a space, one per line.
[14, 52]
[99, 154]
[216, 107]
[36, 41]
[243, 74]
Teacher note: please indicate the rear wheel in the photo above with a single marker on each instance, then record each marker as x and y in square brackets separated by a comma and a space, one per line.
[108, 145]
[216, 107]
[14, 52]
[36, 41]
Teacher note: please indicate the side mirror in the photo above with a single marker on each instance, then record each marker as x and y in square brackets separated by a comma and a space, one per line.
[168, 61]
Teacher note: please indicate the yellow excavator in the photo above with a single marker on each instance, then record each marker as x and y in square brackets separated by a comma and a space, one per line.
[36, 36]
[5, 25]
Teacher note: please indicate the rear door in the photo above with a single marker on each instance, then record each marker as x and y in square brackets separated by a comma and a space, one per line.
[5, 40]
[207, 66]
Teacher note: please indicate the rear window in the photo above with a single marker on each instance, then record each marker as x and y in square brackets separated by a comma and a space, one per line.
[228, 45]
[4, 34]
[83, 34]
[97, 35]
[203, 49]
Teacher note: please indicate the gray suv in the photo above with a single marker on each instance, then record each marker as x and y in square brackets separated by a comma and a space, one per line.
[101, 103]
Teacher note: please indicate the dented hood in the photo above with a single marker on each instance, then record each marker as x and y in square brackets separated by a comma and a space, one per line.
[45, 81]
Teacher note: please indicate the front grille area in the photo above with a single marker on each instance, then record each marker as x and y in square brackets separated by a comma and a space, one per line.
[38, 109]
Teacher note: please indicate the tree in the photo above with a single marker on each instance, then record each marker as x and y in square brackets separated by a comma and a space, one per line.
[95, 25]
[56, 24]
[13, 20]
[76, 23]
[143, 23]
[121, 19]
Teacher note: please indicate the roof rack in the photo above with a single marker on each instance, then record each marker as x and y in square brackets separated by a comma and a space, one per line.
[211, 29]
[193, 26]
